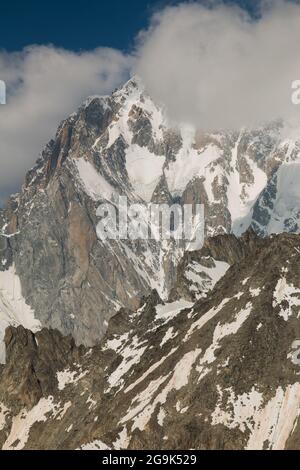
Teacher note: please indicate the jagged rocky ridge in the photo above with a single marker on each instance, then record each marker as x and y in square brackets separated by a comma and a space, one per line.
[215, 373]
[65, 277]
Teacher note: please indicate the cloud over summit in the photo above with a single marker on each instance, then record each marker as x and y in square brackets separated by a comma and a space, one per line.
[213, 67]
[217, 67]
[44, 85]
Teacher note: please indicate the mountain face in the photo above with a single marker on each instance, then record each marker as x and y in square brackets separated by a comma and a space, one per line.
[122, 145]
[196, 345]
[220, 372]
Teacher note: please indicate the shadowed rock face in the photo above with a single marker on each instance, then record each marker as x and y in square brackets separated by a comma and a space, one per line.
[215, 373]
[31, 364]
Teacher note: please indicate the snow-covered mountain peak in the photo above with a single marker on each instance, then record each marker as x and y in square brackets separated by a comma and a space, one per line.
[123, 144]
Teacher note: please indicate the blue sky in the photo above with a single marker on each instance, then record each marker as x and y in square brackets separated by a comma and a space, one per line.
[83, 24]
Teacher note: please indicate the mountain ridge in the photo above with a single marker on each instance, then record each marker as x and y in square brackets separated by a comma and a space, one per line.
[218, 373]
[121, 144]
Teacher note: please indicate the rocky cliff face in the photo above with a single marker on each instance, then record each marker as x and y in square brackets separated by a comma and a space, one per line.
[220, 372]
[121, 145]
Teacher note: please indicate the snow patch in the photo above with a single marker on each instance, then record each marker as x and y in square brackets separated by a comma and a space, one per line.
[94, 183]
[269, 424]
[14, 310]
[67, 376]
[288, 294]
[95, 445]
[221, 331]
[171, 310]
[131, 354]
[23, 422]
[142, 411]
[144, 170]
[204, 278]
[170, 334]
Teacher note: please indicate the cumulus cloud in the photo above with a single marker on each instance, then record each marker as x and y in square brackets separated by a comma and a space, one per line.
[44, 85]
[216, 67]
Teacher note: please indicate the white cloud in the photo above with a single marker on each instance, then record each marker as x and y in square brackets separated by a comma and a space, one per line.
[218, 68]
[44, 85]
[212, 67]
